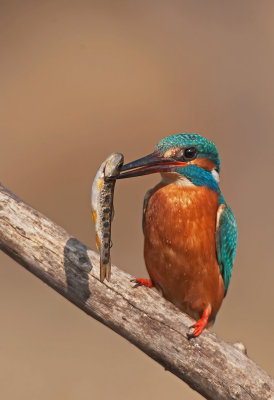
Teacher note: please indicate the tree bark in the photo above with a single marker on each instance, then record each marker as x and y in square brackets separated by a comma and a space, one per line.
[214, 368]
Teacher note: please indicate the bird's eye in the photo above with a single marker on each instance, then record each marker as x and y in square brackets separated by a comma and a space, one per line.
[190, 153]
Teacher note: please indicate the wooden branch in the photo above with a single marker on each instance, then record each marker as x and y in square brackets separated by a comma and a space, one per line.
[215, 369]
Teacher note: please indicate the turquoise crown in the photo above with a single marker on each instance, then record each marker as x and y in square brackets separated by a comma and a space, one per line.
[205, 147]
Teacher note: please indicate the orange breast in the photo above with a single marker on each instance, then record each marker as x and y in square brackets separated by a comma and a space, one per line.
[180, 249]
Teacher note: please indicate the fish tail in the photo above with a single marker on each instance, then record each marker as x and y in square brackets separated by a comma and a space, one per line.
[102, 271]
[105, 271]
[108, 270]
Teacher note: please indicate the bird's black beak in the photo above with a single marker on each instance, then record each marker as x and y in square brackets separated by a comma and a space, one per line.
[150, 164]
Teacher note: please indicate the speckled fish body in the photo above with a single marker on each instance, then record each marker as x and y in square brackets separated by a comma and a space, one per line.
[102, 208]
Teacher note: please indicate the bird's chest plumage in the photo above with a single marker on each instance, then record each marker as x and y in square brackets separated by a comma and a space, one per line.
[180, 249]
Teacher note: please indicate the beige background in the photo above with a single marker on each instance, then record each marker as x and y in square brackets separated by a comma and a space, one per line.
[81, 79]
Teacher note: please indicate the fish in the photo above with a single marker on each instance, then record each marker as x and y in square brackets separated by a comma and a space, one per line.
[102, 193]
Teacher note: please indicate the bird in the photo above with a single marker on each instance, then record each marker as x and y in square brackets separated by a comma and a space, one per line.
[190, 232]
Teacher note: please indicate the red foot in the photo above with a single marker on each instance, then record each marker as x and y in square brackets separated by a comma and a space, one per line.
[200, 324]
[142, 282]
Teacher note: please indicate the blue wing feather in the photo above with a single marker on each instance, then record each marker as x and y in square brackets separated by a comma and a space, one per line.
[226, 242]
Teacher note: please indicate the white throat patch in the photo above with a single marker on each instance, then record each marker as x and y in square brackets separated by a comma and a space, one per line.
[215, 175]
[174, 177]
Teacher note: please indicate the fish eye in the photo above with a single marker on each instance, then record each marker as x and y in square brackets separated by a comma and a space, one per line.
[190, 153]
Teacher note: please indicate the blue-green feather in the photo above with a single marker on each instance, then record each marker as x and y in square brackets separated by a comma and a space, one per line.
[198, 176]
[226, 242]
[205, 147]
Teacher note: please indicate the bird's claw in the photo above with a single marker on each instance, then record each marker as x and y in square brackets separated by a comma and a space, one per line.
[199, 326]
[142, 282]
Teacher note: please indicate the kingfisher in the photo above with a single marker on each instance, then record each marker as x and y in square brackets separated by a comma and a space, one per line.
[190, 232]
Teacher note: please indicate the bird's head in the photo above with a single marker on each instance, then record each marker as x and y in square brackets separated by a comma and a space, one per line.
[189, 156]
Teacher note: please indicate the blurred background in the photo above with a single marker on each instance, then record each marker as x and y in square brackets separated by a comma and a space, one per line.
[81, 79]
